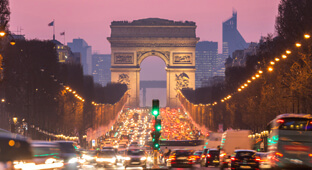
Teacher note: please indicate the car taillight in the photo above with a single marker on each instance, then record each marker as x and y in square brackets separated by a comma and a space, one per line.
[233, 158]
[222, 155]
[192, 158]
[310, 155]
[257, 159]
[279, 154]
[203, 156]
[208, 155]
[172, 158]
[197, 157]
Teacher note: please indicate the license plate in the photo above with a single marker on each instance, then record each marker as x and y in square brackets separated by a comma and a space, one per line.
[135, 162]
[215, 161]
[182, 158]
[245, 167]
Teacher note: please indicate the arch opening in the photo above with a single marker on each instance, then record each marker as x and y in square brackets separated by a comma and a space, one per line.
[153, 78]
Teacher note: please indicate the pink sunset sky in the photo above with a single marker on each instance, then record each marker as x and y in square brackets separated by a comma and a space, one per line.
[90, 19]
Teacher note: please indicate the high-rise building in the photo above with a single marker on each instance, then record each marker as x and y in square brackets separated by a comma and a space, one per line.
[206, 61]
[80, 45]
[232, 39]
[65, 55]
[101, 64]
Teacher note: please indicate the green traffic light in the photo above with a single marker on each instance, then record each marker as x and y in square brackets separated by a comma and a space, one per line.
[158, 127]
[156, 145]
[153, 139]
[155, 112]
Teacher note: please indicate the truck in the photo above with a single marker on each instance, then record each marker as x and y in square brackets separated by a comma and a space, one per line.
[232, 140]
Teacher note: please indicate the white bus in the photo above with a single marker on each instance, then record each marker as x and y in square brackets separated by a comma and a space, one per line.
[290, 141]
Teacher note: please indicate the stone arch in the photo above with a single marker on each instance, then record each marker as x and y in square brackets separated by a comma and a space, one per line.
[164, 55]
[172, 41]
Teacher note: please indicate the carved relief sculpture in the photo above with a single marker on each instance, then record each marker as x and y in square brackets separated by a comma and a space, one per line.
[182, 58]
[182, 81]
[123, 58]
[124, 79]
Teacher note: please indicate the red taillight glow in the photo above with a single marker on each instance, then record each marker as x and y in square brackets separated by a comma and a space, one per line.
[208, 155]
[310, 155]
[197, 157]
[279, 154]
[233, 158]
[222, 155]
[280, 121]
[192, 158]
[172, 158]
[203, 156]
[258, 159]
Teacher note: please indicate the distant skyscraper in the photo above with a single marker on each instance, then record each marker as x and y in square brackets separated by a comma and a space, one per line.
[232, 39]
[101, 64]
[206, 61]
[80, 45]
[220, 67]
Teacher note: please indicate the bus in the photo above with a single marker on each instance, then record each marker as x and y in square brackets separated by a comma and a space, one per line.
[290, 141]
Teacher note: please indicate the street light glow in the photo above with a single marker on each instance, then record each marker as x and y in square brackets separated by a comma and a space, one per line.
[2, 33]
[260, 71]
[277, 59]
[239, 89]
[272, 62]
[306, 36]
[284, 56]
[270, 69]
[288, 51]
[257, 75]
[298, 45]
[245, 84]
[254, 78]
[248, 81]
[242, 87]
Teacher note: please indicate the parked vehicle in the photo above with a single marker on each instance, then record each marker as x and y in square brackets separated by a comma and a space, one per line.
[68, 154]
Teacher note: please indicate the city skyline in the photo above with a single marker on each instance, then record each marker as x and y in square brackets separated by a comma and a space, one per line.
[255, 18]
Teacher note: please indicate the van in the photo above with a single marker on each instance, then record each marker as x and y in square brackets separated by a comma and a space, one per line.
[231, 141]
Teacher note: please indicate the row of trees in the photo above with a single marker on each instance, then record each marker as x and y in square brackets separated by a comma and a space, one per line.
[34, 86]
[287, 89]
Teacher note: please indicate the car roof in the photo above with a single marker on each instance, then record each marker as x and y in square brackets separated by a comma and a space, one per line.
[244, 150]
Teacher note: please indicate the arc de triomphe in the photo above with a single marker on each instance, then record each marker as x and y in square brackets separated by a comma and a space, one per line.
[172, 41]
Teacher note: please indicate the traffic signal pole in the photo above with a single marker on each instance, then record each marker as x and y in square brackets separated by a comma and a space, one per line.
[156, 132]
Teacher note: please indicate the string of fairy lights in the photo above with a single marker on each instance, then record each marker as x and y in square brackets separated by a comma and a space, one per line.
[257, 75]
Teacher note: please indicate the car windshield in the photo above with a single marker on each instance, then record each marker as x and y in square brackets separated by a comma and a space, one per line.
[198, 153]
[245, 154]
[135, 152]
[183, 153]
[67, 147]
[107, 153]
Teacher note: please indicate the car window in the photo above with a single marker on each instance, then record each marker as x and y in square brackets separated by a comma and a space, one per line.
[67, 147]
[183, 153]
[198, 153]
[107, 153]
[245, 154]
[45, 151]
[135, 152]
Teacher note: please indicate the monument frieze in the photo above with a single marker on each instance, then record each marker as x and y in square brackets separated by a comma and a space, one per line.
[182, 58]
[123, 58]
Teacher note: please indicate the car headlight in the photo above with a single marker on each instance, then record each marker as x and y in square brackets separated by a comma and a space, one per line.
[113, 160]
[143, 158]
[73, 160]
[127, 158]
[50, 161]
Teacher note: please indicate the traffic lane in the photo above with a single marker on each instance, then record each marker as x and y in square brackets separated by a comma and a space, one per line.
[120, 167]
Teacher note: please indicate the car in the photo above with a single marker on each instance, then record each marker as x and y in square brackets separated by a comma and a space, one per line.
[68, 154]
[264, 160]
[212, 158]
[46, 155]
[89, 156]
[203, 155]
[244, 159]
[135, 157]
[121, 155]
[181, 158]
[106, 157]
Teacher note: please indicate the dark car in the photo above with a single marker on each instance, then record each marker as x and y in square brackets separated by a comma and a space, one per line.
[181, 158]
[135, 158]
[68, 154]
[106, 157]
[212, 158]
[244, 159]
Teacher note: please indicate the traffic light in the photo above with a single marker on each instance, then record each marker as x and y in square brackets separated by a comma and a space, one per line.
[155, 108]
[158, 125]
